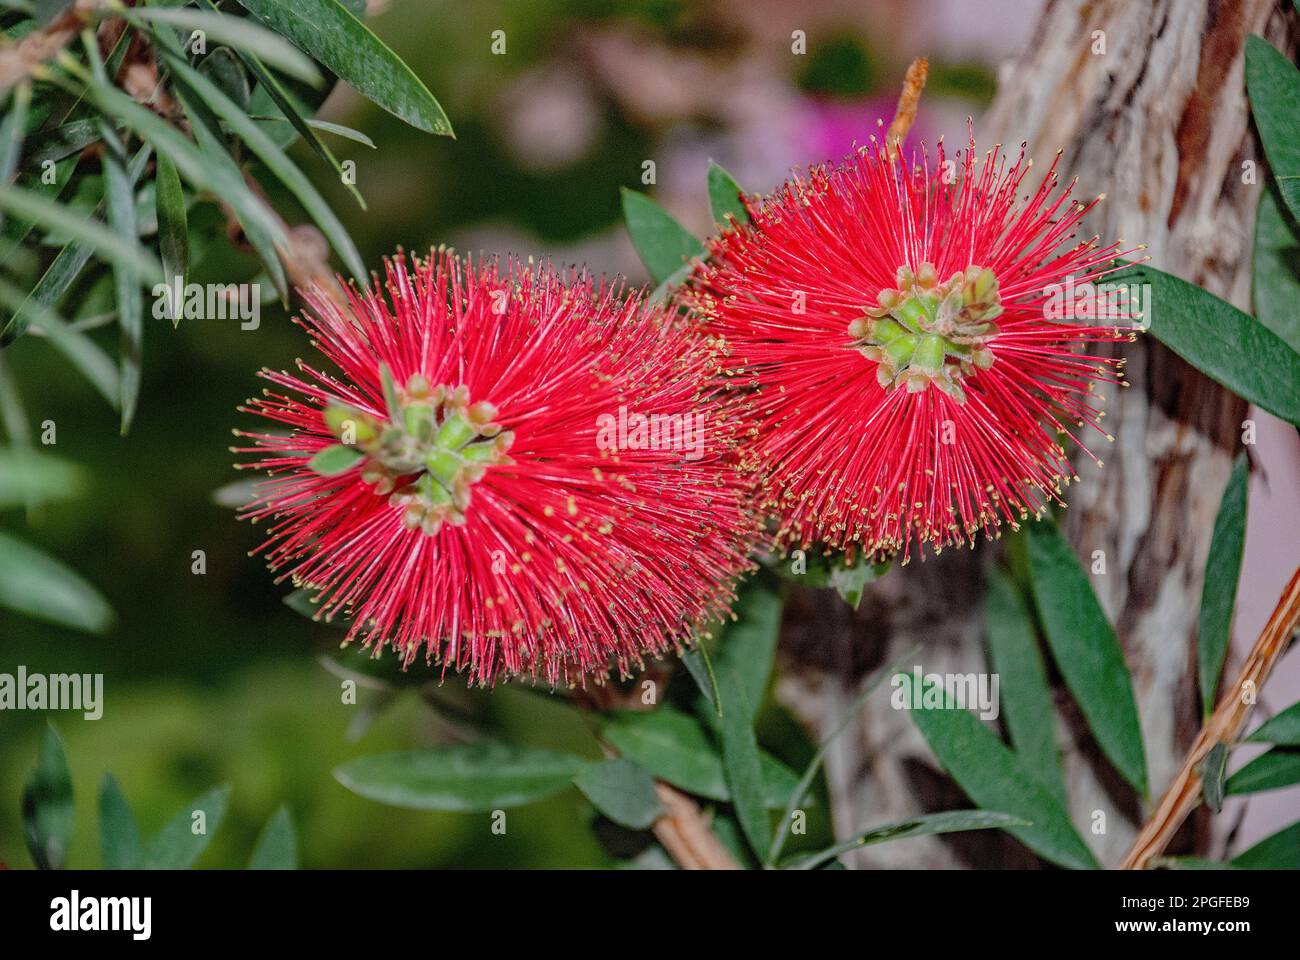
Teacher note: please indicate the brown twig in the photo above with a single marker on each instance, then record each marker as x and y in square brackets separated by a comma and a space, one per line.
[908, 101]
[1223, 726]
[684, 833]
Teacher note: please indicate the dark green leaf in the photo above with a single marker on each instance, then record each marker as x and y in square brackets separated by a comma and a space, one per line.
[1026, 699]
[29, 478]
[335, 459]
[741, 765]
[748, 644]
[995, 779]
[954, 821]
[37, 585]
[1273, 84]
[12, 129]
[1222, 571]
[79, 349]
[48, 815]
[245, 35]
[1283, 729]
[1213, 769]
[87, 232]
[277, 847]
[173, 229]
[1279, 767]
[462, 778]
[187, 835]
[331, 34]
[1085, 650]
[663, 244]
[1281, 851]
[724, 197]
[119, 838]
[119, 192]
[674, 747]
[622, 791]
[1275, 269]
[1228, 346]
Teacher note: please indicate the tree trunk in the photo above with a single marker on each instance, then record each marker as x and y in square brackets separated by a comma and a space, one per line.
[1160, 123]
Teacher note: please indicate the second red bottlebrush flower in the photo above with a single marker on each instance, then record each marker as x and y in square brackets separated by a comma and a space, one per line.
[894, 326]
[515, 472]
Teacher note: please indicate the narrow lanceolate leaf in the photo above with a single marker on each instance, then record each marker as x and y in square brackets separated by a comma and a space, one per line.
[1026, 699]
[247, 36]
[1273, 85]
[664, 245]
[180, 843]
[12, 128]
[724, 197]
[1278, 768]
[748, 644]
[275, 159]
[1213, 770]
[119, 192]
[1275, 269]
[277, 847]
[1281, 851]
[335, 459]
[674, 747]
[89, 233]
[37, 585]
[995, 779]
[622, 791]
[47, 803]
[1086, 651]
[119, 837]
[1228, 346]
[330, 33]
[954, 821]
[741, 764]
[1283, 729]
[1222, 571]
[173, 230]
[468, 778]
[31, 478]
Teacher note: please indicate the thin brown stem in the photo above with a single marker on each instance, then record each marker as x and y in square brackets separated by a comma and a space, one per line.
[684, 832]
[1223, 726]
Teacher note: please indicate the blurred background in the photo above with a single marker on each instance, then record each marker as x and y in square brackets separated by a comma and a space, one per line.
[210, 678]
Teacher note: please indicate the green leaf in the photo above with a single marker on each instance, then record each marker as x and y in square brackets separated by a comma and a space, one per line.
[335, 459]
[1228, 346]
[1273, 84]
[1222, 571]
[37, 585]
[1275, 269]
[674, 747]
[275, 159]
[996, 779]
[179, 844]
[347, 133]
[662, 242]
[741, 765]
[1213, 769]
[1281, 851]
[48, 815]
[1283, 729]
[277, 847]
[246, 36]
[12, 128]
[89, 233]
[119, 838]
[622, 791]
[120, 195]
[30, 478]
[724, 197]
[747, 646]
[1085, 650]
[954, 821]
[330, 33]
[461, 778]
[1026, 698]
[1279, 767]
[173, 229]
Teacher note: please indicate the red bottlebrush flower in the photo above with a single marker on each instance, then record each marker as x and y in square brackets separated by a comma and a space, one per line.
[892, 325]
[516, 474]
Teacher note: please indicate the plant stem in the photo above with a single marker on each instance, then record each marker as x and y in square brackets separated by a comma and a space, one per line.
[1223, 726]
